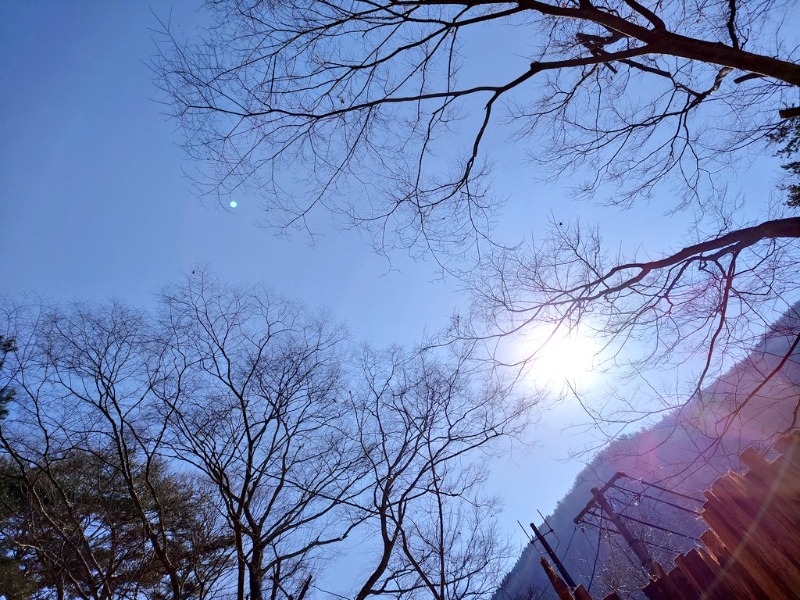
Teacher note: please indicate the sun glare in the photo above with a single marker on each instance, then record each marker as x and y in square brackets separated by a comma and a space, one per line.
[565, 359]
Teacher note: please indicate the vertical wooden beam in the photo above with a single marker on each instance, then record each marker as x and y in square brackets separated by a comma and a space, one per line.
[636, 545]
[558, 584]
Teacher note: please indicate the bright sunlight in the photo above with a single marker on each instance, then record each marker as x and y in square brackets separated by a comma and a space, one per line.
[561, 360]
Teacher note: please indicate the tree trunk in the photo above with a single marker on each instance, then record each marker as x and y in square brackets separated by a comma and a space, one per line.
[727, 56]
[256, 574]
[669, 43]
[240, 563]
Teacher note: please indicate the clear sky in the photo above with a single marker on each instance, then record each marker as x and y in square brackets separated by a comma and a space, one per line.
[94, 204]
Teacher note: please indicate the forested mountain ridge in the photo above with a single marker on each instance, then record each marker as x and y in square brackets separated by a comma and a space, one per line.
[685, 452]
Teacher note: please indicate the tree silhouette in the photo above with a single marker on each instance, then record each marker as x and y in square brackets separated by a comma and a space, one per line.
[371, 109]
[229, 442]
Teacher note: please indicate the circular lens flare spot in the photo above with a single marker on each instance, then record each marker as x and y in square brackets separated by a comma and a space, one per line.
[233, 204]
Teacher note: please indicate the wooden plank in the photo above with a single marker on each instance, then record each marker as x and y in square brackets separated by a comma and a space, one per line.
[759, 514]
[778, 497]
[715, 547]
[581, 593]
[708, 576]
[783, 480]
[784, 443]
[660, 587]
[561, 588]
[787, 477]
[766, 541]
[764, 549]
[655, 590]
[767, 527]
[699, 575]
[682, 584]
[697, 571]
[753, 544]
[731, 530]
[737, 583]
[758, 466]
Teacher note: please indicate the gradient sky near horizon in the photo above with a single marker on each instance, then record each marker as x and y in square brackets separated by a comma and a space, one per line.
[94, 204]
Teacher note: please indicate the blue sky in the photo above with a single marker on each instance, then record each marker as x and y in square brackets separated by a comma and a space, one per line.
[94, 204]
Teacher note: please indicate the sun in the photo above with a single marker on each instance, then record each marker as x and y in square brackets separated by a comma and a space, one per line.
[562, 359]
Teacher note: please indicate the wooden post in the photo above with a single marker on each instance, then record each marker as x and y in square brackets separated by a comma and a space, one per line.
[636, 545]
[558, 584]
[552, 554]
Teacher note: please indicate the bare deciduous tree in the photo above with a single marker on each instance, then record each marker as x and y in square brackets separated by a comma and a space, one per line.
[354, 105]
[95, 512]
[303, 451]
[227, 444]
[700, 310]
[352, 90]
[252, 389]
[423, 425]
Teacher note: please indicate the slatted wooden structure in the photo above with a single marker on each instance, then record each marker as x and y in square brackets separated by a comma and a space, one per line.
[752, 547]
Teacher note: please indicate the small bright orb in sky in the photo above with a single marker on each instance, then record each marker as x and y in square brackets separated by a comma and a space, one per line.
[566, 359]
[233, 204]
